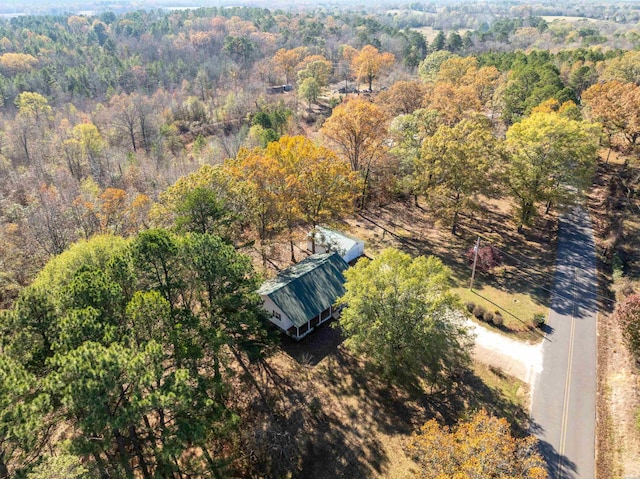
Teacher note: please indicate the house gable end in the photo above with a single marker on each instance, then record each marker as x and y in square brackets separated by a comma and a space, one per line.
[308, 288]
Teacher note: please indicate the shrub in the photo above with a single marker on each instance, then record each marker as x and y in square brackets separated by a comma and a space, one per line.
[315, 406]
[623, 287]
[488, 317]
[617, 266]
[538, 320]
[470, 306]
[498, 320]
[489, 257]
[479, 311]
[628, 316]
[334, 102]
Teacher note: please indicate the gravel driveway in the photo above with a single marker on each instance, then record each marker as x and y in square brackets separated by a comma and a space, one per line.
[516, 358]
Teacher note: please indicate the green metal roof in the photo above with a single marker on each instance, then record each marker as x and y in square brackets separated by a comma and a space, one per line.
[306, 289]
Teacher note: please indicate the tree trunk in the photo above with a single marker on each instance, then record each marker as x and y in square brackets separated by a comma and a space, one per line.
[133, 138]
[101, 466]
[292, 245]
[263, 253]
[146, 144]
[25, 146]
[213, 467]
[122, 452]
[313, 239]
[365, 184]
[455, 215]
[252, 380]
[162, 470]
[178, 473]
[525, 214]
[137, 446]
[217, 376]
[4, 471]
[455, 223]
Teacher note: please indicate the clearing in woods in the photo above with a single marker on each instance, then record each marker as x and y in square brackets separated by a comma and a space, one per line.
[332, 402]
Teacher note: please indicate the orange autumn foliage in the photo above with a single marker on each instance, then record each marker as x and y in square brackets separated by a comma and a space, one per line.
[478, 448]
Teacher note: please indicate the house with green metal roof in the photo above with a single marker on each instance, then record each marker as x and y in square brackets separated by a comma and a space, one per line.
[302, 296]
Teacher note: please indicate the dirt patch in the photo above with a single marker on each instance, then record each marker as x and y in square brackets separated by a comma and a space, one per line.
[523, 361]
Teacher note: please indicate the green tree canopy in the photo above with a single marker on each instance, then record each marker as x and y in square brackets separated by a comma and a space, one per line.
[529, 85]
[61, 466]
[552, 159]
[456, 164]
[130, 345]
[309, 90]
[400, 313]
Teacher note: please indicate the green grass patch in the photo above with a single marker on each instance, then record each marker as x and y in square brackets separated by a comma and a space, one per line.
[517, 309]
[512, 389]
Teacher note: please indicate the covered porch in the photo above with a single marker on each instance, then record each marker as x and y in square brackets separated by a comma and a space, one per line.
[299, 332]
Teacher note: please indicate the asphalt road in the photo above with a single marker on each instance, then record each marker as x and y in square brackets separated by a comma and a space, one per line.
[564, 396]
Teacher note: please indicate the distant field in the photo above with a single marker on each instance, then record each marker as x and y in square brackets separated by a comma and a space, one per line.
[551, 18]
[402, 12]
[430, 33]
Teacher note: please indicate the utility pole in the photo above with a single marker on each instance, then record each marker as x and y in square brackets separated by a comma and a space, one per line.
[475, 262]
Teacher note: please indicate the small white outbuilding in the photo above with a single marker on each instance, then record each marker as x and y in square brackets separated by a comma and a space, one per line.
[326, 241]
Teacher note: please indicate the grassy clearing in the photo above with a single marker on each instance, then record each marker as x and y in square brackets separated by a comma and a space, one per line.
[517, 309]
[551, 18]
[514, 390]
[430, 33]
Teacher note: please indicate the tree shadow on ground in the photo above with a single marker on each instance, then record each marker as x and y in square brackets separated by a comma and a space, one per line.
[471, 392]
[339, 409]
[529, 258]
[313, 348]
[613, 208]
[558, 466]
[325, 440]
[401, 409]
[526, 324]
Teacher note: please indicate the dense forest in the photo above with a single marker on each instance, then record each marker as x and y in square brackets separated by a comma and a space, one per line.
[156, 165]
